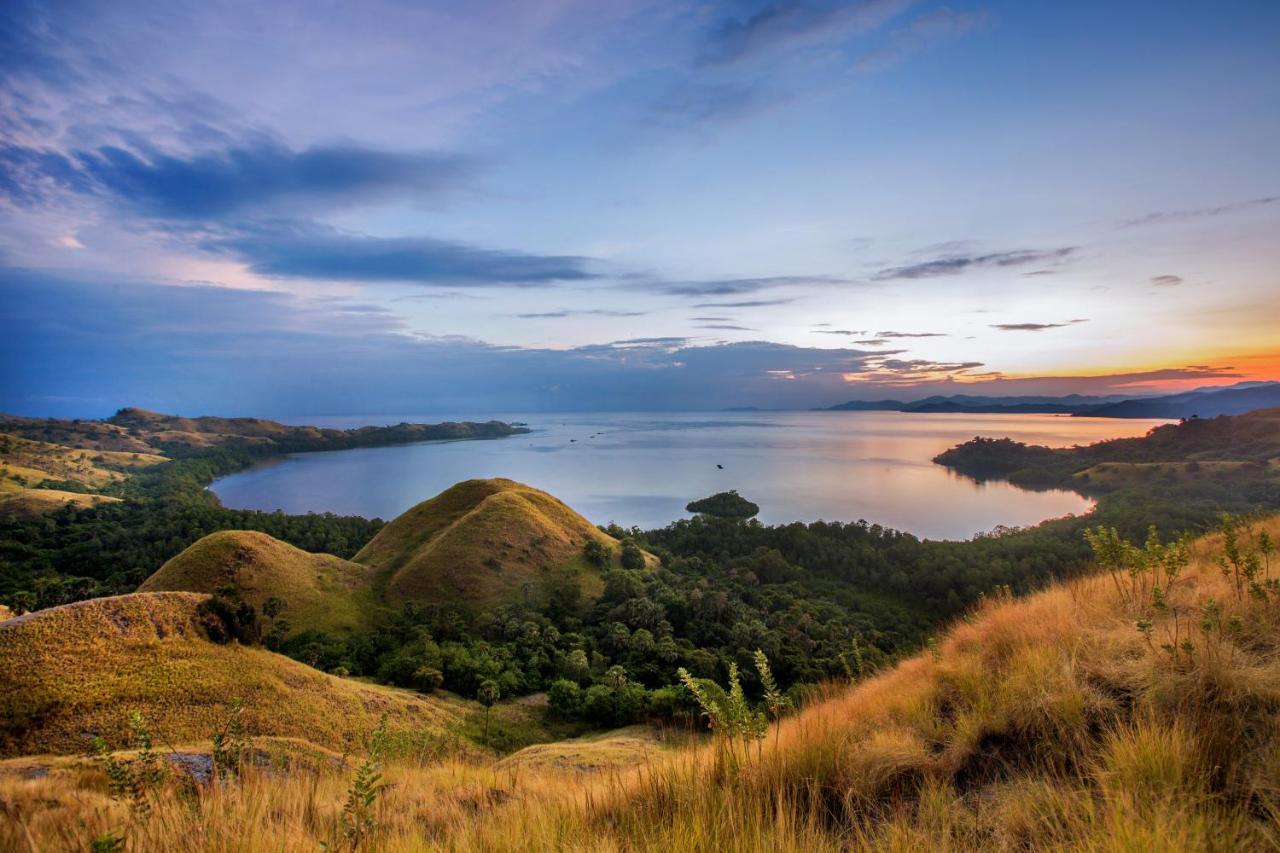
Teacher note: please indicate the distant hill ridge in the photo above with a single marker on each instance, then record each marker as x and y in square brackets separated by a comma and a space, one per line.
[1202, 402]
[140, 430]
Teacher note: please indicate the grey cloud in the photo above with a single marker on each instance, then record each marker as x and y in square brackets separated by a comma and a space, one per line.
[792, 22]
[1166, 280]
[754, 303]
[735, 286]
[910, 335]
[956, 264]
[1200, 212]
[588, 312]
[1034, 327]
[301, 250]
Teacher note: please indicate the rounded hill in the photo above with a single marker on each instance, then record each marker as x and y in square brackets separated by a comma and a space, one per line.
[486, 542]
[71, 672]
[319, 591]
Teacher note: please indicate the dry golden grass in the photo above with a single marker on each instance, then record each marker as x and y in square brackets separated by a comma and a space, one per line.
[1044, 723]
[71, 672]
[485, 542]
[30, 503]
[321, 591]
[27, 463]
[36, 461]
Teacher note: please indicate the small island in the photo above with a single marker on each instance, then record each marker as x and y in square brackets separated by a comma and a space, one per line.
[728, 504]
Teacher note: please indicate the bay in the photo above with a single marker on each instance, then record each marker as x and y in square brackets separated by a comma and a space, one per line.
[642, 468]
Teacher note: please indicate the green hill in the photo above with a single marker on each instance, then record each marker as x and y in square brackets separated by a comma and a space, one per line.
[485, 542]
[320, 591]
[74, 671]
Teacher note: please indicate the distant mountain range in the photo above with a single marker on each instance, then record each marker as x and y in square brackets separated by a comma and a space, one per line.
[1202, 402]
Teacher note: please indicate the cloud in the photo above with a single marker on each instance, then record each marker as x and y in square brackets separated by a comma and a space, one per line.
[734, 286]
[586, 312]
[710, 319]
[98, 343]
[844, 332]
[910, 335]
[753, 303]
[1163, 216]
[1034, 327]
[693, 103]
[1166, 280]
[301, 250]
[233, 181]
[789, 23]
[922, 32]
[955, 264]
[872, 342]
[727, 328]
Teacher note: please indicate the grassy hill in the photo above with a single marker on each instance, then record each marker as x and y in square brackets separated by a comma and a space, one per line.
[37, 477]
[486, 542]
[320, 591]
[74, 671]
[1097, 715]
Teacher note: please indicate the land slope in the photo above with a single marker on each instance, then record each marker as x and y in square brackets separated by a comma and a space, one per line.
[479, 543]
[1084, 717]
[486, 542]
[319, 591]
[70, 672]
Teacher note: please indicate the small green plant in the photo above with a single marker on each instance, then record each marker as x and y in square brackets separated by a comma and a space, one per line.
[232, 745]
[359, 812]
[134, 782]
[1145, 577]
[776, 702]
[729, 716]
[107, 842]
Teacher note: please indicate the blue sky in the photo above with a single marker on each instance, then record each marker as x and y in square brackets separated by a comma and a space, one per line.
[306, 208]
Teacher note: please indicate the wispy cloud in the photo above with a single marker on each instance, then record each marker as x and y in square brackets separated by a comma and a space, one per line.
[910, 335]
[751, 303]
[1166, 280]
[1034, 327]
[925, 30]
[245, 179]
[959, 263]
[727, 327]
[585, 312]
[302, 250]
[1163, 216]
[734, 286]
[845, 332]
[790, 23]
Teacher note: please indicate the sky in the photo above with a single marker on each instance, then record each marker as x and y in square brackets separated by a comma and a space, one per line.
[292, 208]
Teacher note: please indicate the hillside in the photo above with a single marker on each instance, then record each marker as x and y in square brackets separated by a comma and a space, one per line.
[138, 430]
[319, 591]
[487, 542]
[75, 670]
[37, 477]
[1203, 403]
[1097, 715]
[1252, 439]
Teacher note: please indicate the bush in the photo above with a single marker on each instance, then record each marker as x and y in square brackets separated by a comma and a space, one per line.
[632, 556]
[225, 617]
[564, 698]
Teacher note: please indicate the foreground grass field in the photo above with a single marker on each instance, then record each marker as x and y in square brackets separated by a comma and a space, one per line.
[1061, 721]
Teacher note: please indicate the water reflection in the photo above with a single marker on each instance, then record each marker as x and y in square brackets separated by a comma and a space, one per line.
[641, 469]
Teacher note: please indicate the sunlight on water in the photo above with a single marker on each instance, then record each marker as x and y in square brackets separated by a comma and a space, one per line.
[641, 469]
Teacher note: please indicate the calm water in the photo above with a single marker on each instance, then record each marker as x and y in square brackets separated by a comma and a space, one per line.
[641, 469]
